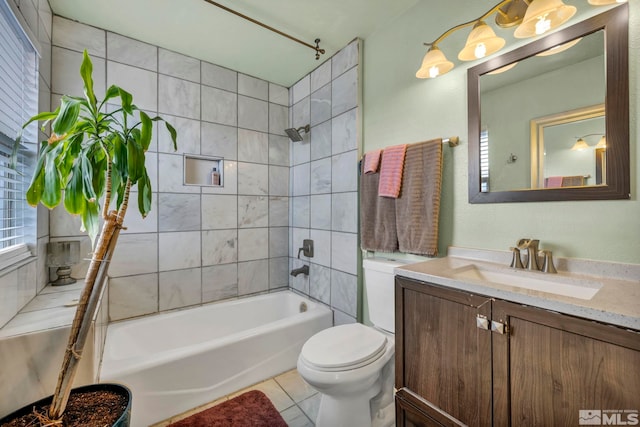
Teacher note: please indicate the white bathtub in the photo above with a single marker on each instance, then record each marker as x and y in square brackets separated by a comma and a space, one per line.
[179, 360]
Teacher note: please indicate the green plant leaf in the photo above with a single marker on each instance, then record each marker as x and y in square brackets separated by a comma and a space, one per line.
[120, 156]
[170, 129]
[126, 100]
[74, 201]
[47, 115]
[36, 186]
[145, 131]
[87, 179]
[52, 193]
[99, 162]
[111, 93]
[67, 117]
[86, 71]
[135, 160]
[70, 150]
[34, 192]
[144, 195]
[91, 220]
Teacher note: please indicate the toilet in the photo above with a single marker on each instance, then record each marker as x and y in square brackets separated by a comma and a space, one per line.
[352, 365]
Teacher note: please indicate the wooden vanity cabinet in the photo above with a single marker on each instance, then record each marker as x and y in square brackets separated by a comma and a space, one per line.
[536, 368]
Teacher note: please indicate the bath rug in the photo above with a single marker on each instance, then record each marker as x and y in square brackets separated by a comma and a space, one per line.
[250, 409]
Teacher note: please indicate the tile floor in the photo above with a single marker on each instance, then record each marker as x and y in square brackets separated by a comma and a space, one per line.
[296, 401]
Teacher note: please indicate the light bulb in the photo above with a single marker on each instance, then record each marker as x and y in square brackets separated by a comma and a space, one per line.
[434, 72]
[543, 25]
[481, 50]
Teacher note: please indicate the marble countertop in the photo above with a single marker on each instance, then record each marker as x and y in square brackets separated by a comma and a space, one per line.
[617, 301]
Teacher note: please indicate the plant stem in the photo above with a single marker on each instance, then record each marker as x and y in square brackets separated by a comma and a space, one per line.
[94, 283]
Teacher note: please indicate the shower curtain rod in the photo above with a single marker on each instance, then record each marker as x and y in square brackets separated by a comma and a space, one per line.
[317, 41]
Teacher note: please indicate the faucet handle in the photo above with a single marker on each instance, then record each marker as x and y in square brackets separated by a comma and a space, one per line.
[516, 261]
[547, 263]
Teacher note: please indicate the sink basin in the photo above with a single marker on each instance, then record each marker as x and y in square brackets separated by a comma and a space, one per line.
[550, 283]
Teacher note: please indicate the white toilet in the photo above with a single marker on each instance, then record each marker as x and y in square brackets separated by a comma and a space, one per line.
[352, 365]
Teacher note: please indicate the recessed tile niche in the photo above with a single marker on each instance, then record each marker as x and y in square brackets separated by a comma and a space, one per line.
[201, 170]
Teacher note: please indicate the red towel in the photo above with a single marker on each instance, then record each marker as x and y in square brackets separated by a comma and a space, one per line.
[391, 171]
[372, 161]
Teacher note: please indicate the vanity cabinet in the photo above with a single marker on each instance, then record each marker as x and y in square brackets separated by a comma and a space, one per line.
[464, 359]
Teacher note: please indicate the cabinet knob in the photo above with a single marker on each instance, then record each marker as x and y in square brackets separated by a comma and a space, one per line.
[499, 327]
[482, 322]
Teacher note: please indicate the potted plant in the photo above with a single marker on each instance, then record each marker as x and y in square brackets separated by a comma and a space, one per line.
[91, 155]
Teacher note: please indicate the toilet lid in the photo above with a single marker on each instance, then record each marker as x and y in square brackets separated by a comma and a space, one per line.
[344, 346]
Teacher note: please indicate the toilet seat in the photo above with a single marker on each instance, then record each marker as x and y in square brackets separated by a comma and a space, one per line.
[344, 347]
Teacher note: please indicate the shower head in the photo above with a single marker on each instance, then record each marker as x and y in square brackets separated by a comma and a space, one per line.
[294, 134]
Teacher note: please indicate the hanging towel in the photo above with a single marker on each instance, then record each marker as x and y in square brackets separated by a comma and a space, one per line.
[377, 216]
[372, 161]
[391, 169]
[418, 207]
[553, 182]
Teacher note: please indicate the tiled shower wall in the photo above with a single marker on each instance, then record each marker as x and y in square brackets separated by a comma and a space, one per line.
[324, 181]
[199, 243]
[19, 285]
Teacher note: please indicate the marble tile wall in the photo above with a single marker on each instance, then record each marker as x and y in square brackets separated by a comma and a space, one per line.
[199, 243]
[324, 182]
[19, 286]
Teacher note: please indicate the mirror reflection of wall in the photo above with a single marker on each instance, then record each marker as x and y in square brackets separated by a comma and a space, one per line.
[536, 87]
[561, 161]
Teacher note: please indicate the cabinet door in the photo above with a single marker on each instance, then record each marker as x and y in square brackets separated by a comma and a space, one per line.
[549, 367]
[441, 355]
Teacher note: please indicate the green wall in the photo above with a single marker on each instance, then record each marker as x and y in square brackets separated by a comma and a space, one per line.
[399, 108]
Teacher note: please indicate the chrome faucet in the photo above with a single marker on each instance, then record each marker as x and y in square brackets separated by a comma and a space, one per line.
[302, 270]
[531, 246]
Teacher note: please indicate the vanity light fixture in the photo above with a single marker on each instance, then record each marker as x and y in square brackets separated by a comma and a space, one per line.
[434, 64]
[543, 16]
[482, 41]
[560, 48]
[533, 17]
[605, 2]
[503, 69]
[581, 144]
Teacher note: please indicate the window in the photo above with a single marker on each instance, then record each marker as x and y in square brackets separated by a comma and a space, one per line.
[484, 160]
[18, 102]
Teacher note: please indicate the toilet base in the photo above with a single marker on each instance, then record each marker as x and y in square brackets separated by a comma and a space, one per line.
[344, 412]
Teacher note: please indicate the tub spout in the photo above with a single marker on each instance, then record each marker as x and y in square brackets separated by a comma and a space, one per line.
[302, 270]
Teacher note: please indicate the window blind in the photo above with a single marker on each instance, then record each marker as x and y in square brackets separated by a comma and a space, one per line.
[484, 160]
[18, 102]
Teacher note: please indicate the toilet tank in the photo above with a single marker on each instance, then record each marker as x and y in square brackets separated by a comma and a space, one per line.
[379, 283]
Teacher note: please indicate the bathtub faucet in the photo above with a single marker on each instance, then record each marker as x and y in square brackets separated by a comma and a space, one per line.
[302, 270]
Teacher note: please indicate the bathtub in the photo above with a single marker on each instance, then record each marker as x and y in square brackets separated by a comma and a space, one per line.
[182, 359]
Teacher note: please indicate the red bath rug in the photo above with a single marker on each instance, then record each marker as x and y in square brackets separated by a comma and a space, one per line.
[250, 409]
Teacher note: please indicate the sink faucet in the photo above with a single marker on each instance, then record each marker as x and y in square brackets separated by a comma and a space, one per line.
[531, 245]
[302, 270]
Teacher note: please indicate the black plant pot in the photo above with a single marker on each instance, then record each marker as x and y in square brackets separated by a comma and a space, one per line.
[123, 421]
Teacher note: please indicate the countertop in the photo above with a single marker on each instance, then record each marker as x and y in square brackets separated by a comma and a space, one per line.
[617, 302]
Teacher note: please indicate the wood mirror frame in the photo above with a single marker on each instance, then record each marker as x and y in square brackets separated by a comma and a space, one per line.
[615, 23]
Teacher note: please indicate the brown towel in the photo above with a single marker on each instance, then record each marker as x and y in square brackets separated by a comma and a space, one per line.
[418, 207]
[377, 216]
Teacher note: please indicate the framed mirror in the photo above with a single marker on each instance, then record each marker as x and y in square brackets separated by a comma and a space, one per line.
[529, 107]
